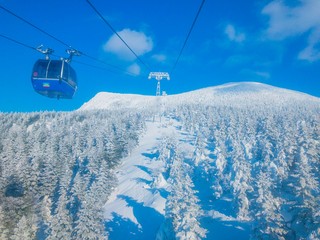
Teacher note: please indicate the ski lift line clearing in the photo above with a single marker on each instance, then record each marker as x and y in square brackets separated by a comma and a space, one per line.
[54, 78]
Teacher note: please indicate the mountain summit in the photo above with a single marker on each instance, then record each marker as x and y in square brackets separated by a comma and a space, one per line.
[230, 93]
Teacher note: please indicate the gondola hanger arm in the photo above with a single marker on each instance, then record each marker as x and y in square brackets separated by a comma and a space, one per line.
[46, 52]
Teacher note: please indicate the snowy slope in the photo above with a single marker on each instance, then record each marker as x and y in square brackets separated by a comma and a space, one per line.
[232, 93]
[236, 161]
[136, 208]
[138, 203]
[105, 100]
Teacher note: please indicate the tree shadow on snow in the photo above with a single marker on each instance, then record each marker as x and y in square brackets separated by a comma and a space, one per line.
[152, 155]
[145, 169]
[142, 180]
[149, 219]
[122, 228]
[219, 228]
[163, 192]
[178, 127]
[226, 230]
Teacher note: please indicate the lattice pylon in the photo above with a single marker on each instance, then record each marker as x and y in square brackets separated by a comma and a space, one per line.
[158, 89]
[159, 76]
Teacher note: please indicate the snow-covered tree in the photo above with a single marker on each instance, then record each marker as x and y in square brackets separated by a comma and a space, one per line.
[219, 176]
[24, 230]
[4, 231]
[60, 226]
[182, 207]
[306, 194]
[270, 223]
[57, 168]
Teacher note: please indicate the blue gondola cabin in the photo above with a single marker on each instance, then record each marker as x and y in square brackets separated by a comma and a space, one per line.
[54, 78]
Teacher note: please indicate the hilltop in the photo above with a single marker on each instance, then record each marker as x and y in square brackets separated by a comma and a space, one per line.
[234, 161]
[227, 94]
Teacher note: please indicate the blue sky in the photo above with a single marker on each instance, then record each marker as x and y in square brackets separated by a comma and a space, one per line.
[273, 42]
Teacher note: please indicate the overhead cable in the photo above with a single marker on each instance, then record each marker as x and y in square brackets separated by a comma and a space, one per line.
[76, 61]
[18, 42]
[60, 41]
[34, 26]
[188, 35]
[116, 33]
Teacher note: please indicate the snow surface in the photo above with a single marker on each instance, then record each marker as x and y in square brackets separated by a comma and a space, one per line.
[140, 196]
[135, 210]
[235, 161]
[232, 93]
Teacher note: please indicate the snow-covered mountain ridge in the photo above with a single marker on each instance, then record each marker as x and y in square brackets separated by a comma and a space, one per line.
[237, 161]
[231, 93]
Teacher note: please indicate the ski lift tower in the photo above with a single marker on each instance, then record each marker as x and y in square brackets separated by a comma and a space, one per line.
[159, 76]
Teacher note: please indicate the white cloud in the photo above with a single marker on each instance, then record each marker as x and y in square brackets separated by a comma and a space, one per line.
[234, 35]
[263, 75]
[159, 57]
[254, 75]
[285, 21]
[312, 52]
[138, 42]
[134, 68]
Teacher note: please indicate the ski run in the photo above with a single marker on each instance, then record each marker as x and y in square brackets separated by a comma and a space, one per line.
[136, 208]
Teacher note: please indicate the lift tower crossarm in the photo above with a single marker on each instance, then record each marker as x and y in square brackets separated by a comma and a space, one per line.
[159, 76]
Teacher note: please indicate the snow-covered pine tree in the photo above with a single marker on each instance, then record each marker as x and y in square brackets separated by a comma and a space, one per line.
[167, 153]
[60, 226]
[182, 209]
[4, 232]
[200, 153]
[269, 222]
[307, 201]
[25, 230]
[89, 224]
[241, 183]
[219, 178]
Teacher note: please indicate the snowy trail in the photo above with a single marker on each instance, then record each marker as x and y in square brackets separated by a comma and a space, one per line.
[135, 209]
